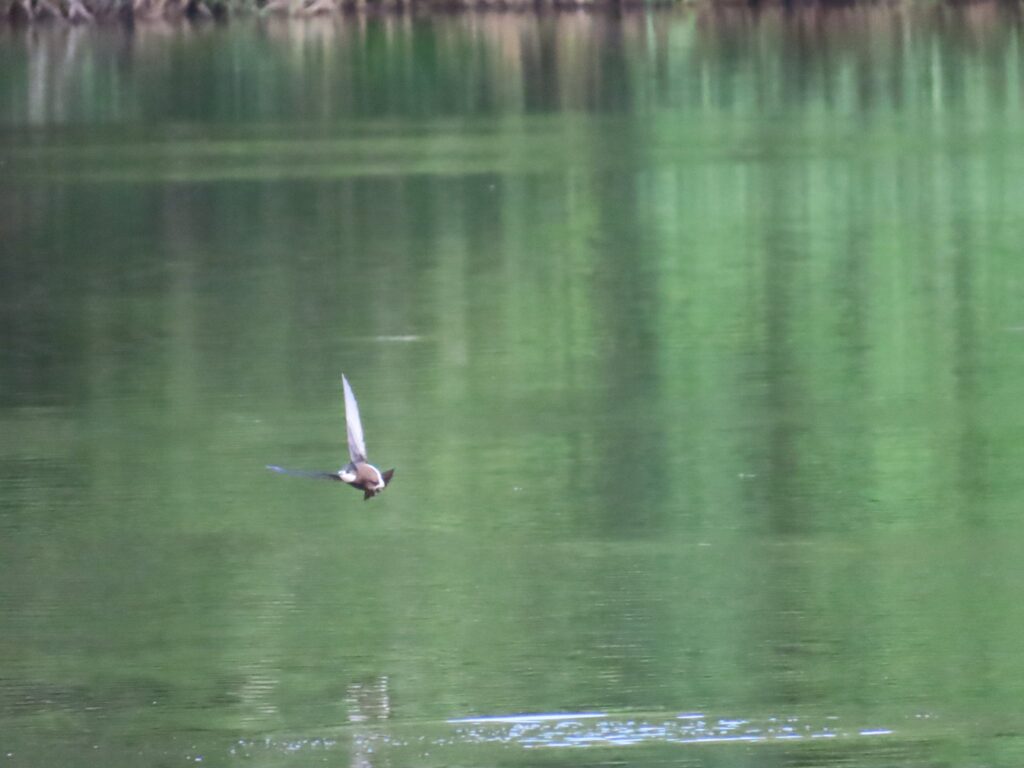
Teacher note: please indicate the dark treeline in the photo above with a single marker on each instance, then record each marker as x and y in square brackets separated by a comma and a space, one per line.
[856, 59]
[130, 11]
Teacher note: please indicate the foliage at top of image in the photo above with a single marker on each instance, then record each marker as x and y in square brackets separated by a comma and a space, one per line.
[89, 11]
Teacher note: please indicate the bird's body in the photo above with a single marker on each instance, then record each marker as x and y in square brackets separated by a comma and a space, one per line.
[365, 477]
[358, 473]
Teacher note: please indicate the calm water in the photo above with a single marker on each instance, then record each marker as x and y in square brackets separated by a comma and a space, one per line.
[697, 340]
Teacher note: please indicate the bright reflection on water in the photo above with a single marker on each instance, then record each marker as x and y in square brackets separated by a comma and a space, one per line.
[570, 730]
[695, 339]
[580, 730]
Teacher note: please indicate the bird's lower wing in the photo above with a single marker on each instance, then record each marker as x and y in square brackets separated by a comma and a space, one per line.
[303, 473]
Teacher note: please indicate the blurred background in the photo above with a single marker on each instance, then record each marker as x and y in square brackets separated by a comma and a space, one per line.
[695, 338]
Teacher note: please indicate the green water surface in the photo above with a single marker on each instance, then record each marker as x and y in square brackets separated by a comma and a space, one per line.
[696, 339]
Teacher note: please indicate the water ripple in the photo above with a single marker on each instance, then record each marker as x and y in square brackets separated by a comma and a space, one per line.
[595, 729]
[572, 730]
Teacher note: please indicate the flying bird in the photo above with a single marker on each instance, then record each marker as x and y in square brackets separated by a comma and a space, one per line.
[359, 473]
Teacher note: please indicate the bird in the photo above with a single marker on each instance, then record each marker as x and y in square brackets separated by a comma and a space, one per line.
[359, 473]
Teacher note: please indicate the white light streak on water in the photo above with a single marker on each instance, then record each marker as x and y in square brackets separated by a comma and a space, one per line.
[529, 718]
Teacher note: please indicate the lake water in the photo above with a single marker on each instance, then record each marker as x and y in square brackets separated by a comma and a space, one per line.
[696, 338]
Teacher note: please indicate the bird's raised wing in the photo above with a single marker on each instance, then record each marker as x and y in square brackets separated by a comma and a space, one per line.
[356, 443]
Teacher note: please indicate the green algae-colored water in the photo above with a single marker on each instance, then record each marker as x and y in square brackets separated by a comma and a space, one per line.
[696, 339]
